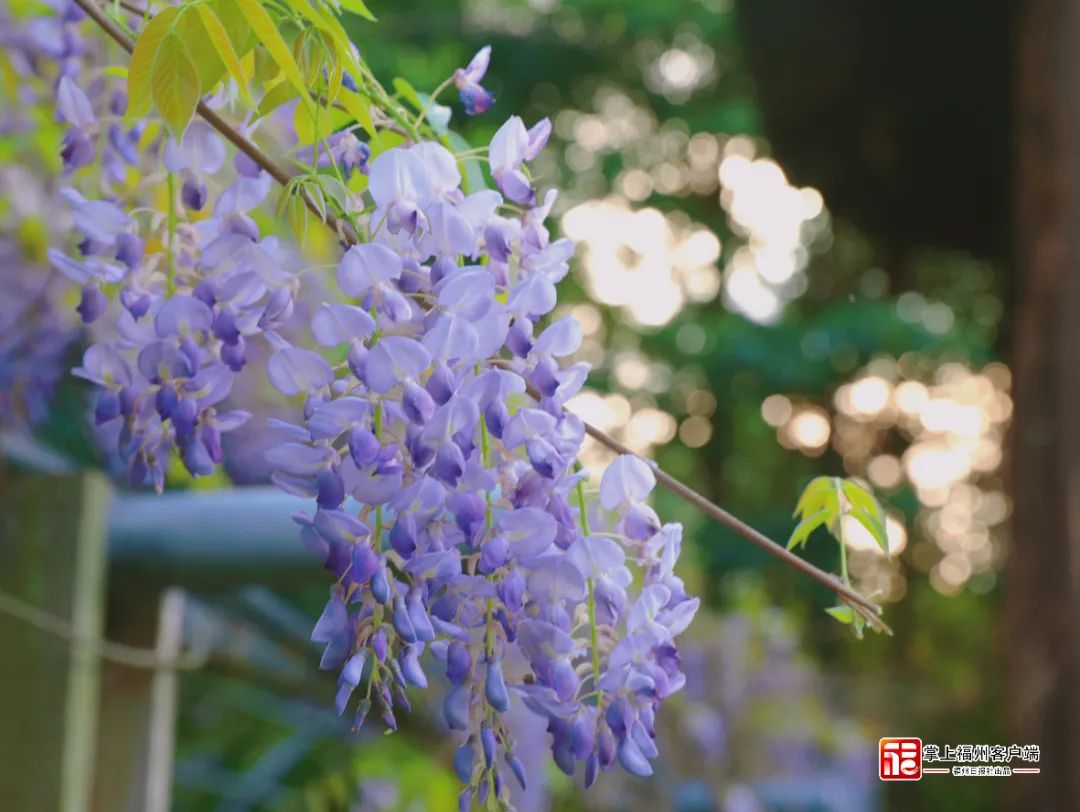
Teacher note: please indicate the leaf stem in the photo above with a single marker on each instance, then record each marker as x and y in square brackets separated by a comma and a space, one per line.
[170, 274]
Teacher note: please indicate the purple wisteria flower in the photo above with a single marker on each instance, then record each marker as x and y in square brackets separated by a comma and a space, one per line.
[448, 503]
[447, 500]
[476, 99]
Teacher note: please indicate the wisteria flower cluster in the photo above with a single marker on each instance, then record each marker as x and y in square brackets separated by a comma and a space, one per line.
[474, 539]
[465, 540]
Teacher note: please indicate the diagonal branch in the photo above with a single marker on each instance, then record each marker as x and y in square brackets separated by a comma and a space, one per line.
[866, 608]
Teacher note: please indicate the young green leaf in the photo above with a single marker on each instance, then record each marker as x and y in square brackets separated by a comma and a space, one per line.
[174, 83]
[357, 7]
[842, 613]
[140, 98]
[267, 31]
[807, 526]
[357, 105]
[219, 37]
[818, 494]
[866, 509]
[408, 92]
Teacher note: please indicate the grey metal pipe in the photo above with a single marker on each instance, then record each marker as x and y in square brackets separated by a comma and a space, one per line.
[209, 540]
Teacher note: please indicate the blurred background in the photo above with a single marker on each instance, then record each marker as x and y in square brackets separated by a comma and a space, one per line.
[829, 237]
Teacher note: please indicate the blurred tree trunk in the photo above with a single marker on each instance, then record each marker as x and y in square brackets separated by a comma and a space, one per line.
[1043, 570]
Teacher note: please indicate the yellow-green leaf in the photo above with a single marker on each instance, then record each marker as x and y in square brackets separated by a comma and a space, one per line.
[815, 496]
[841, 613]
[358, 7]
[276, 96]
[357, 105]
[140, 70]
[243, 38]
[174, 83]
[408, 92]
[807, 526]
[188, 26]
[219, 37]
[267, 32]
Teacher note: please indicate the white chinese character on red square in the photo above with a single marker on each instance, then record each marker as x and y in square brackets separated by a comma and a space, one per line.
[900, 759]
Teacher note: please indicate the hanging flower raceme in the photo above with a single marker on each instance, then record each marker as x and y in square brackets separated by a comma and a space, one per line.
[450, 507]
[466, 545]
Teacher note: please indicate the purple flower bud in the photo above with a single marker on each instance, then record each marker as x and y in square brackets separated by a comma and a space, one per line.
[544, 378]
[224, 326]
[165, 401]
[380, 587]
[365, 563]
[193, 193]
[442, 267]
[618, 717]
[592, 764]
[418, 615]
[463, 763]
[379, 645]
[458, 662]
[511, 590]
[565, 681]
[456, 708]
[519, 338]
[495, 686]
[129, 250]
[361, 714]
[441, 384]
[581, 736]
[92, 305]
[402, 622]
[543, 456]
[363, 446]
[487, 741]
[410, 667]
[331, 488]
[419, 406]
[106, 407]
[464, 803]
[137, 304]
[403, 535]
[517, 768]
[606, 747]
[633, 760]
[493, 554]
[449, 464]
[496, 416]
[232, 355]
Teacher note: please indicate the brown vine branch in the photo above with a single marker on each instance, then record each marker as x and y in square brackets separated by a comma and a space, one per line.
[866, 608]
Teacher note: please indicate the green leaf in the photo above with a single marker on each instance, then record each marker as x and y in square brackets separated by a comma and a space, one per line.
[219, 37]
[357, 105]
[357, 7]
[267, 31]
[842, 613]
[174, 83]
[866, 509]
[815, 496]
[188, 26]
[140, 70]
[275, 97]
[875, 526]
[232, 18]
[807, 526]
[408, 92]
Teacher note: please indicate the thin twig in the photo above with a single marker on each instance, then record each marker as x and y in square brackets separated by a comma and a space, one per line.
[344, 230]
[869, 610]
